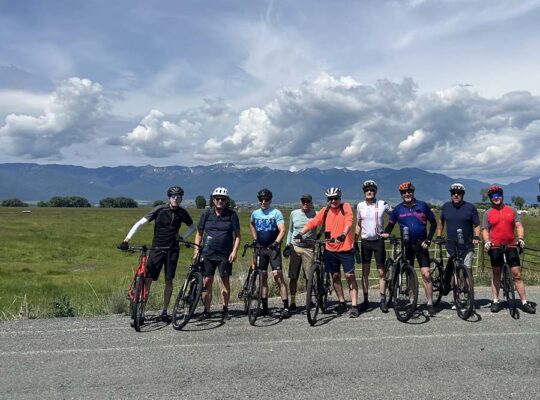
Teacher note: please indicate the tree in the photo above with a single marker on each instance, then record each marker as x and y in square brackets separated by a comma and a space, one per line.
[118, 202]
[42, 203]
[71, 201]
[13, 203]
[158, 203]
[484, 195]
[232, 203]
[518, 201]
[200, 201]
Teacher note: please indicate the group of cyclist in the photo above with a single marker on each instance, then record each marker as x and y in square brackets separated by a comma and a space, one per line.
[219, 230]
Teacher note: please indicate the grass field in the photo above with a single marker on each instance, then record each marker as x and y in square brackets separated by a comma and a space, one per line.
[62, 262]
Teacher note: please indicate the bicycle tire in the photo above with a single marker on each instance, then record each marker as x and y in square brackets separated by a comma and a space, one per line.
[325, 290]
[187, 299]
[463, 292]
[388, 284]
[509, 289]
[138, 305]
[255, 296]
[313, 289]
[436, 281]
[406, 285]
[245, 291]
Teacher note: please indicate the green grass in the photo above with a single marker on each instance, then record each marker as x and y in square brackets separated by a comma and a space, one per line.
[61, 260]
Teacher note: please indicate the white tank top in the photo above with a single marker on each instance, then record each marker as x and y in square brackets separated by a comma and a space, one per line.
[372, 217]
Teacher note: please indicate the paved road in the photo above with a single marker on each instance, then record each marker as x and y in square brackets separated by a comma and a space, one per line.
[372, 357]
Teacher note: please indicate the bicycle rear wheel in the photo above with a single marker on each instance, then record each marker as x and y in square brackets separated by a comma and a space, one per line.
[463, 292]
[245, 290]
[187, 299]
[314, 287]
[388, 284]
[254, 296]
[509, 290]
[138, 303]
[325, 289]
[436, 281]
[405, 292]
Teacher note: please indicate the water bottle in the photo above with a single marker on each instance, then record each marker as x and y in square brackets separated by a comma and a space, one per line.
[460, 240]
[405, 234]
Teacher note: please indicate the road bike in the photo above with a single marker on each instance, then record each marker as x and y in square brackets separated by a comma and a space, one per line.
[461, 281]
[319, 282]
[507, 281]
[251, 292]
[137, 291]
[401, 281]
[190, 293]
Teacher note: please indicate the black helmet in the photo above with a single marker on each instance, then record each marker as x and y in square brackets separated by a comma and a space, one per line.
[264, 194]
[175, 191]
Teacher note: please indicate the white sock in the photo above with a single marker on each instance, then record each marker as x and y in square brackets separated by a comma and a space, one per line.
[495, 300]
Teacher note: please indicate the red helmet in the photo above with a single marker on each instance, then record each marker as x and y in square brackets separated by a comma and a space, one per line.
[494, 189]
[406, 186]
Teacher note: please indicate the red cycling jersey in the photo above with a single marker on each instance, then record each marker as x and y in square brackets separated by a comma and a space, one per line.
[501, 224]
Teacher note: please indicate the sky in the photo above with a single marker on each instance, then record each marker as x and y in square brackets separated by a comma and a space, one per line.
[447, 86]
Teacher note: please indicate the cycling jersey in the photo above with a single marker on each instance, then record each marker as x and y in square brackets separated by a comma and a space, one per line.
[335, 225]
[501, 222]
[167, 223]
[462, 216]
[415, 218]
[372, 217]
[219, 232]
[266, 224]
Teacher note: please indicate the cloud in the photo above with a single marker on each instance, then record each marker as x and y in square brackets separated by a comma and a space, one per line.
[70, 116]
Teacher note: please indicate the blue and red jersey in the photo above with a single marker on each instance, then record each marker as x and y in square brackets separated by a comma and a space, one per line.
[414, 217]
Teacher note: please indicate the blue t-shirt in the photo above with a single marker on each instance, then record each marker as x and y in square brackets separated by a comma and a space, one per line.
[219, 232]
[266, 224]
[415, 218]
[463, 217]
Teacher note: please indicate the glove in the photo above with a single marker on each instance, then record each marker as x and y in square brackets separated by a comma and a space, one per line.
[274, 246]
[488, 245]
[254, 243]
[521, 243]
[286, 251]
[341, 238]
[298, 237]
[426, 243]
[356, 247]
[438, 239]
[124, 246]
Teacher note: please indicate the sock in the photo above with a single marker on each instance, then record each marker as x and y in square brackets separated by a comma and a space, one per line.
[265, 303]
[523, 302]
[286, 303]
[365, 297]
[430, 302]
[495, 300]
[164, 311]
[225, 309]
[293, 298]
[383, 297]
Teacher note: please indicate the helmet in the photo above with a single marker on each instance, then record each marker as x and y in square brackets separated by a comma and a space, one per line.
[457, 186]
[264, 194]
[220, 191]
[175, 191]
[369, 184]
[333, 192]
[406, 186]
[494, 189]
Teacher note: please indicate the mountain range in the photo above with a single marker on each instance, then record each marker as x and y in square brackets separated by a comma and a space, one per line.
[34, 182]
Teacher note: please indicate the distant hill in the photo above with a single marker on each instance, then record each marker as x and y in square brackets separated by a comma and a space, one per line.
[33, 182]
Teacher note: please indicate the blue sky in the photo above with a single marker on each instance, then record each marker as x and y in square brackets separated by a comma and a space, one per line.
[447, 86]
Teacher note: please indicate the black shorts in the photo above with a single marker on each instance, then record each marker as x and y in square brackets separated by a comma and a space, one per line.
[497, 260]
[222, 265]
[156, 261]
[421, 255]
[272, 257]
[370, 247]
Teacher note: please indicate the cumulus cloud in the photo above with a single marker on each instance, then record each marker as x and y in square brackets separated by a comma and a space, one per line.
[70, 116]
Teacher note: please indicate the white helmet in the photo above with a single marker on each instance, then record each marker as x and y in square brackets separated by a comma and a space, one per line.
[369, 184]
[457, 186]
[220, 191]
[333, 192]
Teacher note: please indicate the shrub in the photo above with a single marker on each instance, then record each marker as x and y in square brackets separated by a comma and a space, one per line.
[13, 203]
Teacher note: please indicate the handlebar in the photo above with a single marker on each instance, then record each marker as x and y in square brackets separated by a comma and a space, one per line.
[189, 244]
[142, 248]
[318, 241]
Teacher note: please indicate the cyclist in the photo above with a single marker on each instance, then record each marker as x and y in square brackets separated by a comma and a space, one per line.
[498, 225]
[369, 226]
[459, 214]
[301, 253]
[337, 219]
[267, 228]
[415, 214]
[221, 229]
[168, 219]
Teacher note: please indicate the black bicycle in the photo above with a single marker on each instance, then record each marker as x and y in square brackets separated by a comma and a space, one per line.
[401, 281]
[507, 281]
[190, 293]
[461, 282]
[251, 292]
[319, 282]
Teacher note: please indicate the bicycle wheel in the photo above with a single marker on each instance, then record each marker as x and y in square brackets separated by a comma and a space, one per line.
[255, 296]
[463, 292]
[138, 303]
[405, 292]
[245, 291]
[187, 299]
[436, 281]
[509, 290]
[388, 284]
[314, 286]
[325, 289]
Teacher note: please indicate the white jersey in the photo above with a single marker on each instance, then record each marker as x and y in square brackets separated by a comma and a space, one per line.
[372, 217]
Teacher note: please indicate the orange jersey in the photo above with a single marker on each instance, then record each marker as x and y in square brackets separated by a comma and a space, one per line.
[336, 223]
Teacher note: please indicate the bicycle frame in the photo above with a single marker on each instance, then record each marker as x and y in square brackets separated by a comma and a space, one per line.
[507, 280]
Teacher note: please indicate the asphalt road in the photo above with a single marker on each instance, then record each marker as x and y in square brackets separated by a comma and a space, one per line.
[371, 357]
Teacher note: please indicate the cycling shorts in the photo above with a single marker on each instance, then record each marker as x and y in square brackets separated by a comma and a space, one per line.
[159, 258]
[222, 265]
[334, 259]
[300, 257]
[421, 255]
[272, 257]
[370, 247]
[512, 257]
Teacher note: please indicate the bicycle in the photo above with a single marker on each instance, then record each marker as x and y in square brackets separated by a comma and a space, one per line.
[190, 293]
[461, 282]
[137, 291]
[251, 291]
[319, 282]
[507, 281]
[401, 281]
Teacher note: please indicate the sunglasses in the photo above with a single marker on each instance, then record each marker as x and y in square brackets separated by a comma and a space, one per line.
[175, 196]
[496, 196]
[333, 198]
[264, 200]
[369, 190]
[456, 192]
[407, 192]
[220, 198]
[305, 201]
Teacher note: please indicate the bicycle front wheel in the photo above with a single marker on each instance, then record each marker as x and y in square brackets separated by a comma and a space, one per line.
[314, 287]
[436, 281]
[138, 303]
[187, 299]
[509, 289]
[463, 292]
[405, 292]
[254, 296]
[388, 284]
